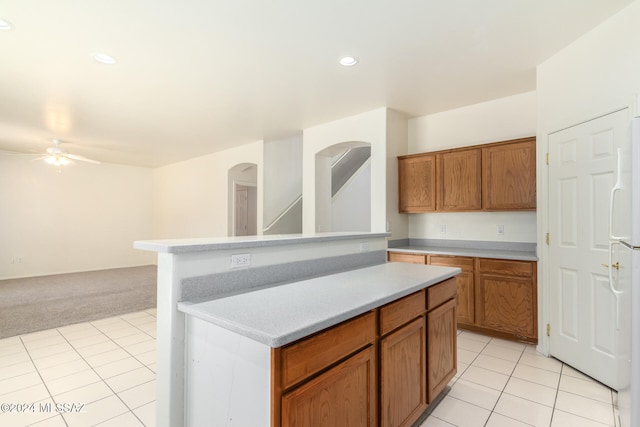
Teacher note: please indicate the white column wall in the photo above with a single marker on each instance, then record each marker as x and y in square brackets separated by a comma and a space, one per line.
[366, 127]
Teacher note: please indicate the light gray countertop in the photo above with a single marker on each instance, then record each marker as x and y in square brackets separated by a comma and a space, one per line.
[508, 254]
[279, 315]
[245, 242]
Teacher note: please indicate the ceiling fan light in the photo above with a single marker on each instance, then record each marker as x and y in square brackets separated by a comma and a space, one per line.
[56, 160]
[4, 25]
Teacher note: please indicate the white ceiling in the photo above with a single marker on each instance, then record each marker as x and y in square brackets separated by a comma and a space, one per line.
[198, 76]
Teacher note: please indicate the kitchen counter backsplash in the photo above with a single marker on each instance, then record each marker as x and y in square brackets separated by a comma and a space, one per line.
[483, 249]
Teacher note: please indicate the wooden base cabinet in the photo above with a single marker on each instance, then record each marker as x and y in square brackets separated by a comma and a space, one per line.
[507, 297]
[442, 347]
[373, 370]
[345, 395]
[403, 382]
[495, 296]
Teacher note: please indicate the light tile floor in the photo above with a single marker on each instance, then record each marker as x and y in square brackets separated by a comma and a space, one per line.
[109, 366]
[507, 384]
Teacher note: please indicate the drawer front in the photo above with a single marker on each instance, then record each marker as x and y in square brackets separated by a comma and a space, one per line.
[465, 263]
[441, 293]
[399, 312]
[410, 258]
[311, 355]
[507, 268]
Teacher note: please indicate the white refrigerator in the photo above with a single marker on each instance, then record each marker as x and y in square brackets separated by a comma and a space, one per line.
[624, 270]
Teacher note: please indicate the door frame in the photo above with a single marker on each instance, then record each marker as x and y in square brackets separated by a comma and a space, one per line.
[234, 184]
[544, 289]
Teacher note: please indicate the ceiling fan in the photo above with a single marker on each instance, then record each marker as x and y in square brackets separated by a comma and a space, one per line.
[56, 156]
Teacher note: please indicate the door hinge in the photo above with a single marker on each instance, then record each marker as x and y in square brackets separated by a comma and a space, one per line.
[548, 330]
[547, 158]
[548, 238]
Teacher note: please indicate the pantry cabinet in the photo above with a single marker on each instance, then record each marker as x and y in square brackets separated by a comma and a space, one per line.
[500, 176]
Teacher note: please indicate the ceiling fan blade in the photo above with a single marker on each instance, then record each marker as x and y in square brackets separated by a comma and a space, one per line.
[80, 158]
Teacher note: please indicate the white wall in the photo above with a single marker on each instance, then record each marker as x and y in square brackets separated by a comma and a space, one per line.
[397, 145]
[497, 120]
[84, 218]
[192, 197]
[367, 127]
[282, 175]
[350, 206]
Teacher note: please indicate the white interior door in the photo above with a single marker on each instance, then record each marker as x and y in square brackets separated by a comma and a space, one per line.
[583, 309]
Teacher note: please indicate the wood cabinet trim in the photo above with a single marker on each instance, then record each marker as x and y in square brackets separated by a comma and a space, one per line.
[309, 356]
[398, 313]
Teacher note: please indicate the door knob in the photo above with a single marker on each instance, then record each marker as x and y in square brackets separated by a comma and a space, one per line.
[616, 265]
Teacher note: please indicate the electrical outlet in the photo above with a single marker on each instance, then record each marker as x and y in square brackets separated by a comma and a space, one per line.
[364, 246]
[443, 229]
[240, 260]
[500, 229]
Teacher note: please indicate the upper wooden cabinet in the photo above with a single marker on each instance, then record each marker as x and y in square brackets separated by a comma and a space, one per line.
[493, 177]
[509, 176]
[460, 180]
[417, 182]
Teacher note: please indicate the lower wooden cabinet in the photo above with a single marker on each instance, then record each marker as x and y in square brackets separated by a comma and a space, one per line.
[403, 382]
[495, 296]
[442, 347]
[345, 395]
[507, 297]
[466, 289]
[374, 370]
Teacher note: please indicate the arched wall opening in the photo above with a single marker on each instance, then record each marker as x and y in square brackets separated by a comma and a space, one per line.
[343, 187]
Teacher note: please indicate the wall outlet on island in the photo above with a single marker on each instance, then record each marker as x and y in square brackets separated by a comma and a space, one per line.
[240, 260]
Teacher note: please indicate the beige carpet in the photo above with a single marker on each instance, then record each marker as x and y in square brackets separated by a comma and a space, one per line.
[38, 303]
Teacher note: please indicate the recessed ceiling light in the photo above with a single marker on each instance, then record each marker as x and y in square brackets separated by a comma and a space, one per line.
[104, 58]
[4, 25]
[348, 61]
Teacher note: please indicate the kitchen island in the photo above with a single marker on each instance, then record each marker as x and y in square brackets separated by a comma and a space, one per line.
[201, 273]
[298, 353]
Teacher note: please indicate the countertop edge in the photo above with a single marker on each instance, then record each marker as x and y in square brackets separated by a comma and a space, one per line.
[177, 246]
[470, 252]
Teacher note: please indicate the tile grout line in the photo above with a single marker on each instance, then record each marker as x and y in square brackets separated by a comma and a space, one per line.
[93, 369]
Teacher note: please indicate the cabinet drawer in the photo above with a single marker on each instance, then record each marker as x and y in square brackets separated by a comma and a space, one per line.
[465, 263]
[402, 311]
[507, 268]
[403, 257]
[442, 292]
[311, 355]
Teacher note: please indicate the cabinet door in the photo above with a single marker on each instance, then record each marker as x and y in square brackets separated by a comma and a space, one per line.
[466, 289]
[509, 176]
[417, 183]
[345, 395]
[507, 297]
[403, 379]
[441, 348]
[460, 178]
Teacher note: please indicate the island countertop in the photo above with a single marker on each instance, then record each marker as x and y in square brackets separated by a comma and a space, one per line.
[281, 314]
